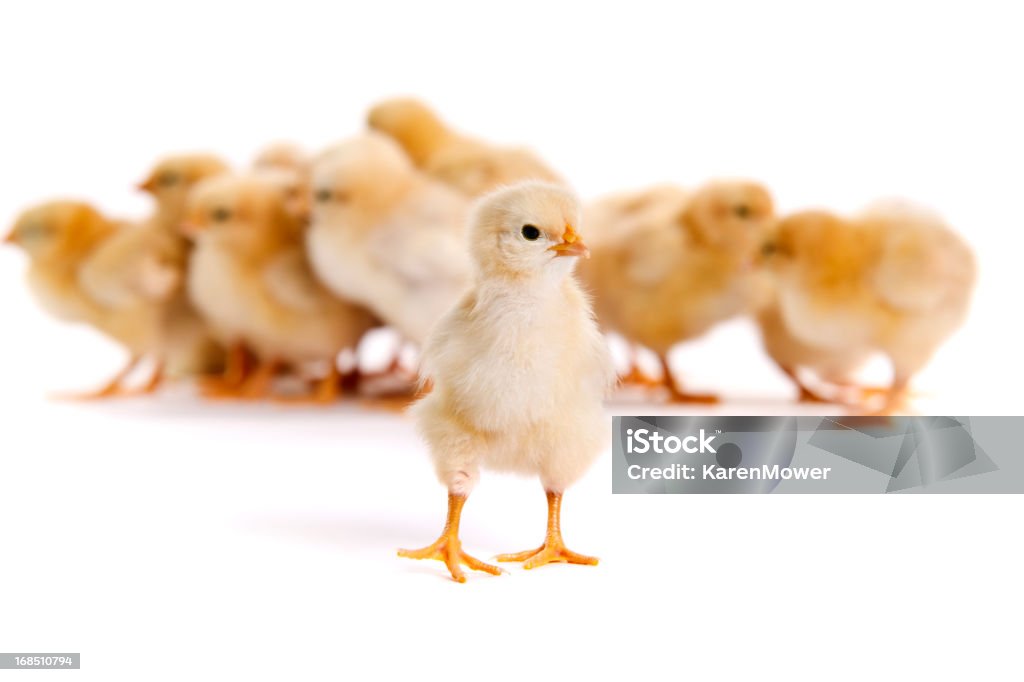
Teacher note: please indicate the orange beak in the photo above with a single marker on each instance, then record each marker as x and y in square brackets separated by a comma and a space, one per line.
[571, 244]
[147, 185]
[189, 229]
[11, 238]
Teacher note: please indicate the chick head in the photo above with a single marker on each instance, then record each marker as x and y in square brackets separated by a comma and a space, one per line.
[171, 179]
[281, 155]
[365, 174]
[57, 228]
[242, 209]
[526, 230]
[734, 215]
[416, 127]
[800, 238]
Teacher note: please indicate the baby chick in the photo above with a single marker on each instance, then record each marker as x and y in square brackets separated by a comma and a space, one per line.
[160, 239]
[291, 161]
[471, 166]
[518, 366]
[250, 279]
[894, 280]
[61, 238]
[669, 265]
[386, 236]
[170, 181]
[282, 155]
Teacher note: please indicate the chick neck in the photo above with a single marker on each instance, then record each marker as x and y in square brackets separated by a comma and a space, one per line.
[65, 258]
[168, 217]
[528, 287]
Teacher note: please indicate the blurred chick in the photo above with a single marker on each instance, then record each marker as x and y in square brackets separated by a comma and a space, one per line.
[893, 280]
[282, 155]
[250, 279]
[386, 236]
[668, 265]
[170, 181]
[519, 368]
[292, 161]
[471, 166]
[61, 239]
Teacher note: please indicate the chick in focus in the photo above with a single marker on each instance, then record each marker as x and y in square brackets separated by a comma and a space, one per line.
[469, 165]
[61, 239]
[519, 368]
[250, 279]
[669, 265]
[894, 280]
[386, 236]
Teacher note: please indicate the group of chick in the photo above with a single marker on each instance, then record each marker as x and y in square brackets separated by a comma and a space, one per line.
[241, 276]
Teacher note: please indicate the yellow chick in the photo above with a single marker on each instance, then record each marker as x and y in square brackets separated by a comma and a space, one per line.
[668, 265]
[282, 155]
[518, 367]
[386, 236]
[471, 166]
[250, 279]
[171, 180]
[60, 239]
[894, 280]
[292, 162]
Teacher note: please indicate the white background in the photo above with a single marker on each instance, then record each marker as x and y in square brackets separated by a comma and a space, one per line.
[249, 542]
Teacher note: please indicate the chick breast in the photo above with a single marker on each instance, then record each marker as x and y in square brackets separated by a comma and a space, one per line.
[518, 384]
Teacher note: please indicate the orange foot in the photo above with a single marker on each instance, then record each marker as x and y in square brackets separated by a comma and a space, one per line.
[553, 551]
[636, 377]
[448, 549]
[809, 396]
[678, 396]
[115, 388]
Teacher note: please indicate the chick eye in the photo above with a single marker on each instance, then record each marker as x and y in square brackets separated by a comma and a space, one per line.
[37, 230]
[168, 179]
[530, 233]
[742, 211]
[220, 215]
[322, 195]
[769, 248]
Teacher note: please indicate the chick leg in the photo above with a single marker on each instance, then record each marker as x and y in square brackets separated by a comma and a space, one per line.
[236, 369]
[257, 385]
[636, 376]
[112, 388]
[806, 394]
[155, 381]
[897, 401]
[448, 547]
[676, 393]
[553, 550]
[326, 390]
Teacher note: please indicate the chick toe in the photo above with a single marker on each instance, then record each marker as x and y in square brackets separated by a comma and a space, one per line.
[448, 547]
